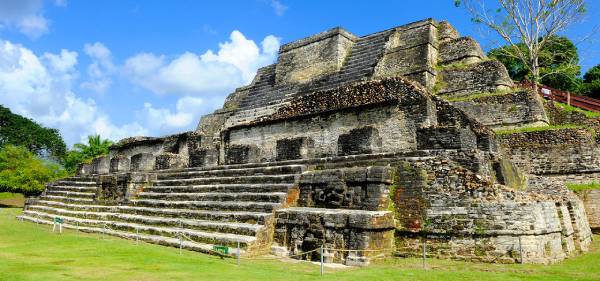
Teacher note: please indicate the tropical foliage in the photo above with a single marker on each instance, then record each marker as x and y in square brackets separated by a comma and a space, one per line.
[84, 153]
[21, 171]
[21, 131]
[558, 63]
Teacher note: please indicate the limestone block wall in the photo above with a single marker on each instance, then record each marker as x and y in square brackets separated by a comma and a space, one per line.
[395, 130]
[411, 51]
[339, 209]
[309, 58]
[505, 110]
[460, 50]
[485, 76]
[591, 199]
[464, 216]
[553, 152]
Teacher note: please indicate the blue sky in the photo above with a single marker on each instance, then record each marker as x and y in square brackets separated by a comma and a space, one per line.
[123, 67]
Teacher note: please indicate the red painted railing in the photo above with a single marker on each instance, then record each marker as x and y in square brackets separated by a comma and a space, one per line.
[583, 102]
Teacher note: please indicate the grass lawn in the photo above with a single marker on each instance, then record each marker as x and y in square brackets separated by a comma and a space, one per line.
[8, 199]
[32, 252]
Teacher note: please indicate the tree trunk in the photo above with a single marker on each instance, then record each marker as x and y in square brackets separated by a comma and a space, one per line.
[535, 71]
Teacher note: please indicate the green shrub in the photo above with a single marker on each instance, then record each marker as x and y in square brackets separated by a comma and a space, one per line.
[21, 171]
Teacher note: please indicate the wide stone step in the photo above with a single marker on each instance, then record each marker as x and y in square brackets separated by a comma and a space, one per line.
[214, 215]
[208, 205]
[227, 239]
[74, 183]
[155, 239]
[67, 199]
[221, 188]
[72, 188]
[203, 225]
[276, 170]
[274, 197]
[227, 180]
[71, 194]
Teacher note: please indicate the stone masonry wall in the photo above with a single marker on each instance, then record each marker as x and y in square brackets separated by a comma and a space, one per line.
[463, 216]
[396, 132]
[553, 152]
[511, 109]
[339, 209]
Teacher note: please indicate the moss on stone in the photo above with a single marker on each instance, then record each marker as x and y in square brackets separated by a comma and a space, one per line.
[583, 186]
[536, 129]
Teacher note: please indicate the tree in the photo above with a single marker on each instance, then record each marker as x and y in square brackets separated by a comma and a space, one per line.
[21, 171]
[591, 82]
[529, 22]
[82, 153]
[21, 131]
[559, 63]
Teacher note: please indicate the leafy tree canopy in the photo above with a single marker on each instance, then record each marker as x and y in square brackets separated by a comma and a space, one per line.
[558, 61]
[83, 153]
[591, 82]
[21, 171]
[21, 131]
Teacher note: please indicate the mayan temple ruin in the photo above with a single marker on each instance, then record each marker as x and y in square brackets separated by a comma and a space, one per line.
[368, 146]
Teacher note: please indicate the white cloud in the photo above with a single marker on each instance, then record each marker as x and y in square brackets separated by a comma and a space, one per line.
[278, 7]
[25, 15]
[60, 3]
[101, 68]
[209, 74]
[41, 88]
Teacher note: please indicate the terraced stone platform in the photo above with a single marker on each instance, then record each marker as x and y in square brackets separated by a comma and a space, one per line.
[220, 206]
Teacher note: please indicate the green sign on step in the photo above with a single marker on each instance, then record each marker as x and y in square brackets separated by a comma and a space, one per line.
[221, 249]
[58, 220]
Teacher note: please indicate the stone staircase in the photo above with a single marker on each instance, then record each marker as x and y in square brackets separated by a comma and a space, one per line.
[219, 206]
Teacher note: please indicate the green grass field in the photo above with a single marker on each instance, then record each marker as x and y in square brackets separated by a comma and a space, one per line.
[32, 252]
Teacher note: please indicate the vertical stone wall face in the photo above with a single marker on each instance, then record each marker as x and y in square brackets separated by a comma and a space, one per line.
[591, 199]
[411, 52]
[100, 165]
[463, 216]
[313, 57]
[556, 152]
[119, 163]
[142, 162]
[339, 209]
[506, 110]
[359, 141]
[326, 130]
[294, 148]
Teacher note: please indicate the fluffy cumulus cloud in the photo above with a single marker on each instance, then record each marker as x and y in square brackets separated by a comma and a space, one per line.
[186, 113]
[47, 87]
[208, 74]
[24, 15]
[278, 7]
[101, 68]
[40, 87]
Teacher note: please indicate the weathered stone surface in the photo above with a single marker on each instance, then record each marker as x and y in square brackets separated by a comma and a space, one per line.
[343, 143]
[306, 229]
[169, 161]
[355, 188]
[505, 110]
[119, 163]
[100, 165]
[486, 76]
[142, 162]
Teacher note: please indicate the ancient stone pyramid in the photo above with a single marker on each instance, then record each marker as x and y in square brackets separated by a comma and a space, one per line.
[363, 145]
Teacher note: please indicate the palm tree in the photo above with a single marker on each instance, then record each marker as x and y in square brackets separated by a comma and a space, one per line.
[95, 147]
